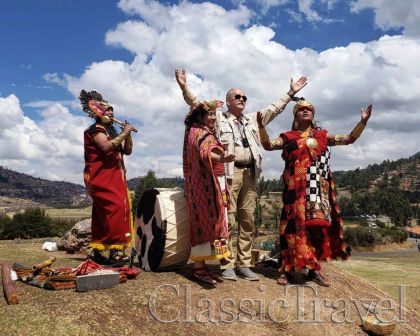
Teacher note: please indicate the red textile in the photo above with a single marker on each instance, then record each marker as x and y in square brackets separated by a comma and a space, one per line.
[89, 266]
[105, 180]
[306, 244]
[204, 197]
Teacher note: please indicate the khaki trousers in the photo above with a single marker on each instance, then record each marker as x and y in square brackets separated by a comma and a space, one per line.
[243, 192]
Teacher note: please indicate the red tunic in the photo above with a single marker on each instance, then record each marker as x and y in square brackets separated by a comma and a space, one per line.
[105, 180]
[206, 206]
[306, 240]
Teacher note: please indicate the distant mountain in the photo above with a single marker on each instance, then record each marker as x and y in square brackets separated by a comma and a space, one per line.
[402, 174]
[53, 193]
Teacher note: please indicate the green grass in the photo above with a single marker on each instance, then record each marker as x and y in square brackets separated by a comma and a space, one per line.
[77, 214]
[389, 270]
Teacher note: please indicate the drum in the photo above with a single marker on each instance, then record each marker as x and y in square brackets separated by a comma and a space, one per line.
[162, 238]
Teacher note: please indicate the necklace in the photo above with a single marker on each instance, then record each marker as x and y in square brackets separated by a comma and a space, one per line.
[310, 141]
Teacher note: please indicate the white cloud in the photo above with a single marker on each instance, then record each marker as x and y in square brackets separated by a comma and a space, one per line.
[49, 148]
[221, 49]
[294, 16]
[54, 78]
[310, 14]
[393, 14]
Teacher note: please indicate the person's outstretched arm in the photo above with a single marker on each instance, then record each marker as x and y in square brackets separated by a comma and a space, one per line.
[265, 139]
[274, 109]
[181, 79]
[347, 139]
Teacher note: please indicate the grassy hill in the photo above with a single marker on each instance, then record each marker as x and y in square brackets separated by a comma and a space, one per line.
[140, 307]
[53, 193]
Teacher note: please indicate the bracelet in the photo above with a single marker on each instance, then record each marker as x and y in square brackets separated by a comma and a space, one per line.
[340, 140]
[291, 93]
[357, 131]
[118, 140]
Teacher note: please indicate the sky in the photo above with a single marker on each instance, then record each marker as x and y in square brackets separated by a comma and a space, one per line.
[354, 52]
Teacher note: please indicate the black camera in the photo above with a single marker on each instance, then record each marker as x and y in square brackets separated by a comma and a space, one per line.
[245, 142]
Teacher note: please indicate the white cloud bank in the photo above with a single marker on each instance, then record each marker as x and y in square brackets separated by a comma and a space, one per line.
[221, 50]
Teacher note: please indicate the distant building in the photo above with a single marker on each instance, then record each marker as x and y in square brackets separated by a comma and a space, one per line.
[413, 232]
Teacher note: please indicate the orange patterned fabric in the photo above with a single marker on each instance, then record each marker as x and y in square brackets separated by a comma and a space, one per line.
[204, 196]
[305, 244]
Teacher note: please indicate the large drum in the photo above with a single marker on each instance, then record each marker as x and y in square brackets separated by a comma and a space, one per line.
[162, 229]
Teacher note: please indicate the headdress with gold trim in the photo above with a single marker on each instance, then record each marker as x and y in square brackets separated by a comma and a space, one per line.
[301, 102]
[197, 111]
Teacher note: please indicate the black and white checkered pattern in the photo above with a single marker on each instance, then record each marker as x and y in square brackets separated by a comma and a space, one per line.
[316, 170]
[324, 163]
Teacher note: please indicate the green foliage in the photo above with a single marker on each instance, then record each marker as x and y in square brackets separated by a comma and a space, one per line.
[4, 221]
[348, 206]
[393, 234]
[361, 236]
[363, 222]
[60, 226]
[151, 181]
[368, 237]
[264, 187]
[32, 223]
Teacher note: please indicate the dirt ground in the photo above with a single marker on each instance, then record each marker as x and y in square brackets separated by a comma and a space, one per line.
[170, 303]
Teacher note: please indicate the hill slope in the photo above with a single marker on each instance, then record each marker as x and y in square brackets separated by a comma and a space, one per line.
[53, 193]
[232, 308]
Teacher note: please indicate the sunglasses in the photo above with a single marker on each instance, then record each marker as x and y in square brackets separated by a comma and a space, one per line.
[305, 108]
[238, 96]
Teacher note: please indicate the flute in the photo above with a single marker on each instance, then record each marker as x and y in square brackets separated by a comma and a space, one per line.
[105, 118]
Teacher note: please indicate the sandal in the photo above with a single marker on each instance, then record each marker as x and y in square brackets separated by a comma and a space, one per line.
[284, 279]
[118, 258]
[318, 278]
[203, 275]
[98, 258]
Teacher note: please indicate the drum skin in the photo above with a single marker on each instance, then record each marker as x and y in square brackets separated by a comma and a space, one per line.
[162, 229]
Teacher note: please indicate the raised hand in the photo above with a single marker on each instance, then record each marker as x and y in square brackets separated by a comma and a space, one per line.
[365, 114]
[181, 78]
[296, 86]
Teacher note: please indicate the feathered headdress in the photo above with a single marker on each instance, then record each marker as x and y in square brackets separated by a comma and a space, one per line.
[93, 103]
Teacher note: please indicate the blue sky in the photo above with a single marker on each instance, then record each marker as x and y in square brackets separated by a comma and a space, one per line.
[351, 50]
[64, 36]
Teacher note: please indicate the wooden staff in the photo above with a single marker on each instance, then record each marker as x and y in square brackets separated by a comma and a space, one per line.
[8, 285]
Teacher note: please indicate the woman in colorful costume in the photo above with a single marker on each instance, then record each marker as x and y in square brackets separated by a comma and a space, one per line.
[205, 187]
[310, 224]
[105, 180]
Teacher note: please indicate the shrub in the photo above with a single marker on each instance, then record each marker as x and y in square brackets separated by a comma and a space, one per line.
[361, 236]
[32, 223]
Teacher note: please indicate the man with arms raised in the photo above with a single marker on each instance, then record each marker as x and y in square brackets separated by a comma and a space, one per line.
[238, 133]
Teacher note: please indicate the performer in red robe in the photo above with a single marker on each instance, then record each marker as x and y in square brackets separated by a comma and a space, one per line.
[310, 224]
[104, 177]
